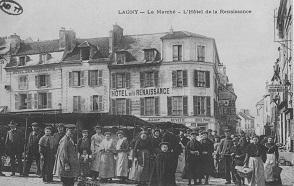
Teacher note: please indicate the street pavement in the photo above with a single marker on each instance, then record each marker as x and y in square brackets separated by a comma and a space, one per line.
[287, 178]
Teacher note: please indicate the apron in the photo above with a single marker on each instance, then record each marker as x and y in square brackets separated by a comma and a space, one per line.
[268, 167]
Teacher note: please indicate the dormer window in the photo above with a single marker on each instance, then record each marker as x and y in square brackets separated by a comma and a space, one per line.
[44, 58]
[149, 54]
[120, 58]
[22, 60]
[85, 53]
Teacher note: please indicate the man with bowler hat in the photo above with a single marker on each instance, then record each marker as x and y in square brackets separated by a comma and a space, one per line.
[32, 150]
[14, 147]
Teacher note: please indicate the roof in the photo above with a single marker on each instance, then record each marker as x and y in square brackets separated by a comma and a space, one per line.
[38, 47]
[246, 116]
[99, 47]
[182, 34]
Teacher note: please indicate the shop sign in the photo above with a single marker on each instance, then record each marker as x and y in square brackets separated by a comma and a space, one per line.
[276, 88]
[140, 92]
[24, 71]
[180, 119]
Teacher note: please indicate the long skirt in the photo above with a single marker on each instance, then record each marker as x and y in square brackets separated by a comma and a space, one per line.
[257, 178]
[107, 165]
[96, 162]
[192, 169]
[268, 167]
[122, 164]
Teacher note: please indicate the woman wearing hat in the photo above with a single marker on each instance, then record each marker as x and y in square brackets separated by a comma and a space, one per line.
[96, 140]
[122, 148]
[107, 163]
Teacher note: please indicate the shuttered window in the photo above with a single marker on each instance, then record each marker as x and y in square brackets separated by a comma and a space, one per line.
[44, 100]
[42, 81]
[77, 105]
[76, 78]
[121, 80]
[23, 83]
[177, 105]
[121, 106]
[149, 106]
[177, 52]
[149, 79]
[202, 105]
[96, 102]
[200, 53]
[179, 78]
[120, 58]
[95, 78]
[202, 78]
[149, 55]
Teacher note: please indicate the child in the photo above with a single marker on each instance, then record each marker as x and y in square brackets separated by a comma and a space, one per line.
[84, 151]
[238, 157]
[85, 164]
[162, 171]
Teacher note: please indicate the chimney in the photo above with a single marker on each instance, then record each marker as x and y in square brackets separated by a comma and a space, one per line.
[115, 38]
[67, 39]
[14, 41]
[171, 30]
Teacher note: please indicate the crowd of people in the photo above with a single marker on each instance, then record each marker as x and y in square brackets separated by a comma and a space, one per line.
[149, 158]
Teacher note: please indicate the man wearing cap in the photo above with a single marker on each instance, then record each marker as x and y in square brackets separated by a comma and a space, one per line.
[224, 150]
[46, 145]
[32, 150]
[67, 162]
[206, 156]
[58, 135]
[14, 147]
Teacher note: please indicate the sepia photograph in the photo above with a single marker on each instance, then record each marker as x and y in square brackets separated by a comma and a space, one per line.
[146, 93]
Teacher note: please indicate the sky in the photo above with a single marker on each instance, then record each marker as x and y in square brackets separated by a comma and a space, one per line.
[245, 42]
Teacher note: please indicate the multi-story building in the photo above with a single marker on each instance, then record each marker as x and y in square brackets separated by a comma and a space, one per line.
[166, 77]
[284, 71]
[246, 122]
[263, 116]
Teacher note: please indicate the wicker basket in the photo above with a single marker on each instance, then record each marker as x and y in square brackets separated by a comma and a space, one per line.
[244, 172]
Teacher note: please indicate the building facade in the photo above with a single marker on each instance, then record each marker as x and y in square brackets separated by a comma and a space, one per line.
[263, 118]
[246, 122]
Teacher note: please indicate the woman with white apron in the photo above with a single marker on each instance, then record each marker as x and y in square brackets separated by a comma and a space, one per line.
[272, 156]
[122, 149]
[96, 140]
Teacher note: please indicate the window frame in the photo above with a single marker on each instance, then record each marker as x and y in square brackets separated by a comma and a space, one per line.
[201, 50]
[23, 85]
[178, 56]
[149, 55]
[120, 58]
[84, 50]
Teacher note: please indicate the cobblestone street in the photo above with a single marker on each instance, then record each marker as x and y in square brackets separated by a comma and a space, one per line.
[287, 177]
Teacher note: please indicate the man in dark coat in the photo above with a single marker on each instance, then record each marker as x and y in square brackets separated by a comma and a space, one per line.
[192, 168]
[58, 135]
[32, 150]
[238, 156]
[156, 140]
[14, 147]
[84, 143]
[184, 140]
[224, 151]
[207, 148]
[162, 172]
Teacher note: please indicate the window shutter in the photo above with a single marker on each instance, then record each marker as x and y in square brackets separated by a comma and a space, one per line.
[128, 106]
[142, 79]
[70, 78]
[194, 106]
[40, 106]
[156, 78]
[142, 106]
[37, 84]
[91, 103]
[48, 56]
[185, 78]
[208, 106]
[207, 76]
[100, 103]
[128, 81]
[169, 106]
[180, 53]
[100, 77]
[157, 105]
[26, 82]
[79, 104]
[113, 106]
[40, 59]
[90, 78]
[17, 102]
[35, 101]
[29, 101]
[19, 83]
[82, 78]
[185, 105]
[174, 78]
[48, 83]
[196, 78]
[49, 100]
[113, 82]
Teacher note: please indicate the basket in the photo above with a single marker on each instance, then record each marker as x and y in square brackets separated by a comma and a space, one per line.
[244, 172]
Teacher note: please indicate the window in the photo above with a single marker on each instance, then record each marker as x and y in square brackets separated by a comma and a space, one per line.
[149, 79]
[202, 78]
[43, 100]
[85, 53]
[121, 106]
[95, 77]
[201, 53]
[201, 105]
[76, 78]
[23, 83]
[44, 58]
[121, 80]
[77, 104]
[120, 58]
[149, 55]
[149, 106]
[177, 105]
[179, 78]
[23, 101]
[42, 80]
[177, 52]
[96, 103]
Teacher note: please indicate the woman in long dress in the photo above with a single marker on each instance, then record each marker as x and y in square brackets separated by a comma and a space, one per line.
[272, 156]
[96, 140]
[254, 161]
[122, 149]
[107, 163]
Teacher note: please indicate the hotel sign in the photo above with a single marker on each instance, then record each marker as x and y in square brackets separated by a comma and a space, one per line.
[276, 88]
[180, 119]
[140, 92]
[24, 71]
